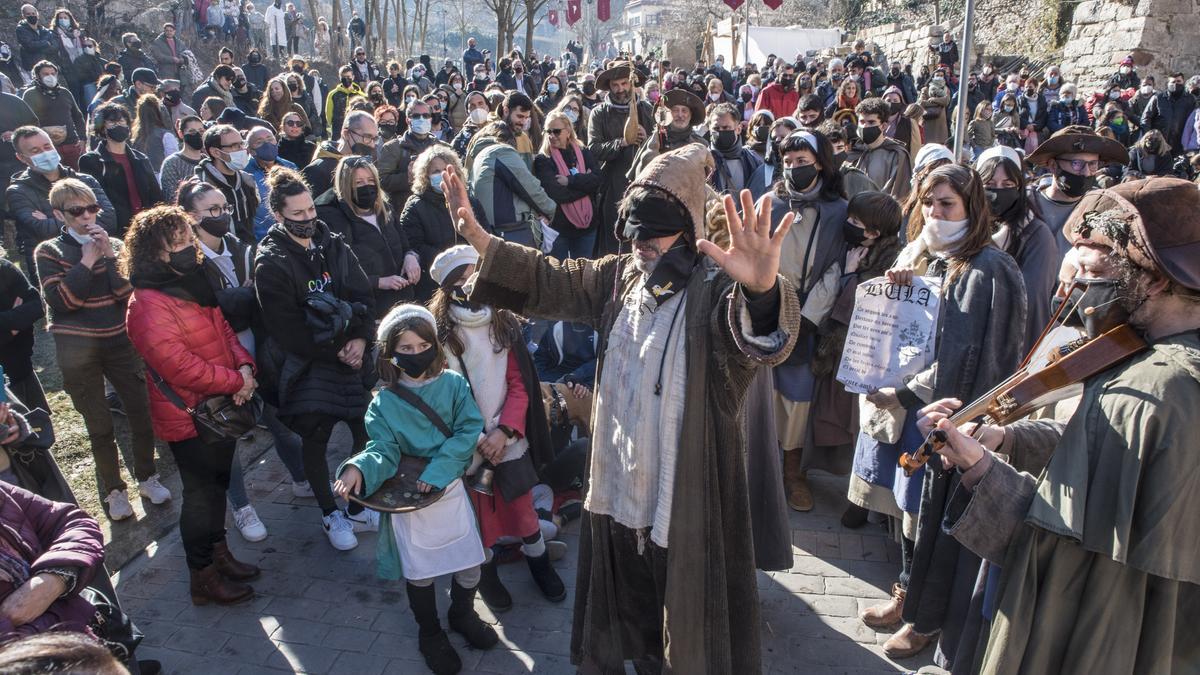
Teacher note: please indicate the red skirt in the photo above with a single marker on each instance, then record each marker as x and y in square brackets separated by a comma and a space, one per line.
[501, 518]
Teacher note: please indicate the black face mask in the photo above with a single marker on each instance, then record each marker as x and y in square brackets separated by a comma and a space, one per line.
[725, 140]
[839, 158]
[854, 235]
[32, 20]
[415, 365]
[1002, 200]
[217, 226]
[347, 81]
[1103, 297]
[1074, 185]
[118, 134]
[388, 130]
[184, 261]
[194, 140]
[363, 150]
[364, 196]
[172, 98]
[589, 88]
[255, 58]
[458, 297]
[299, 70]
[869, 135]
[800, 178]
[896, 107]
[303, 229]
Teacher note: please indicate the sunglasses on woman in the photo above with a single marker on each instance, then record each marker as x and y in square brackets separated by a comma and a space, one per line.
[77, 211]
[293, 123]
[555, 132]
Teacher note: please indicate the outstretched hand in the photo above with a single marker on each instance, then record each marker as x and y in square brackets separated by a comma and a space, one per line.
[752, 258]
[455, 190]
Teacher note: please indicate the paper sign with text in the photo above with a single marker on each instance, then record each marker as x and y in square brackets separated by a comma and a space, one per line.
[892, 333]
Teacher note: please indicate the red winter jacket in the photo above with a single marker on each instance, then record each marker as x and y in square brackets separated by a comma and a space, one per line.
[781, 103]
[191, 347]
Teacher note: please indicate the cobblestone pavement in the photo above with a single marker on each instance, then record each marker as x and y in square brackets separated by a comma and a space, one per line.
[318, 610]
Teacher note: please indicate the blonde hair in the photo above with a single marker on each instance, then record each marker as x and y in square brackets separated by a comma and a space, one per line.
[343, 182]
[70, 189]
[550, 117]
[420, 168]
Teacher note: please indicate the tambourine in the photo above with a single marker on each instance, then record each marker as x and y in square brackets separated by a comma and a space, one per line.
[399, 494]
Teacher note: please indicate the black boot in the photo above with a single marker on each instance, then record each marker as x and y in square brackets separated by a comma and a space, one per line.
[464, 620]
[434, 644]
[546, 578]
[854, 516]
[494, 594]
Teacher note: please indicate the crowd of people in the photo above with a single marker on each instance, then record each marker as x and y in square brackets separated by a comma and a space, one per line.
[455, 259]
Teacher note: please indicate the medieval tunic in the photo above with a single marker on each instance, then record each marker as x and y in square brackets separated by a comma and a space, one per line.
[1100, 556]
[888, 166]
[702, 594]
[606, 140]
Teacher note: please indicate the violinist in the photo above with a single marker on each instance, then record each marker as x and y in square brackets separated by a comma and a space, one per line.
[980, 332]
[1099, 562]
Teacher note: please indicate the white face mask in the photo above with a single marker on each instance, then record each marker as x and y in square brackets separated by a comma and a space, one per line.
[238, 159]
[51, 81]
[81, 239]
[421, 126]
[526, 124]
[478, 116]
[1012, 86]
[941, 236]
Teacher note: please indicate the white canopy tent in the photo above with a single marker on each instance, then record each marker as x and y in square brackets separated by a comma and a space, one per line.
[784, 42]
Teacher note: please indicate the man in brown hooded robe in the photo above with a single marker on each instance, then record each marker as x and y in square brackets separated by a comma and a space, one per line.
[666, 566]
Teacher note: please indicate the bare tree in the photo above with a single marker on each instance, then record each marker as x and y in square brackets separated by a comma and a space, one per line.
[505, 12]
[532, 9]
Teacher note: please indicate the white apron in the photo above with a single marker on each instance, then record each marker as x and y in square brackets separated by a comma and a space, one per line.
[439, 539]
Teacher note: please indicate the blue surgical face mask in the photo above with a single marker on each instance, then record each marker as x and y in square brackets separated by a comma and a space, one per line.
[552, 88]
[421, 126]
[435, 182]
[45, 162]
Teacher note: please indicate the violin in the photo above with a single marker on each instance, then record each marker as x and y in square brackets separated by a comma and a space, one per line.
[1035, 385]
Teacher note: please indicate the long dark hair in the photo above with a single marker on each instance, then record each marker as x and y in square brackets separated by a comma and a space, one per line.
[1016, 218]
[505, 332]
[968, 186]
[831, 178]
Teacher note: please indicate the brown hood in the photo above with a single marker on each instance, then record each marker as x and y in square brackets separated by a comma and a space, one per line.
[683, 175]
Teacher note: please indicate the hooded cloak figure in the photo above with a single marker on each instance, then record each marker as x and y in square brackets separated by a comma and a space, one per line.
[666, 566]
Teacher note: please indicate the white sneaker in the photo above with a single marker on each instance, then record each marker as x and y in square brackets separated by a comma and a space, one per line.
[248, 524]
[339, 530]
[119, 507]
[301, 489]
[366, 521]
[153, 490]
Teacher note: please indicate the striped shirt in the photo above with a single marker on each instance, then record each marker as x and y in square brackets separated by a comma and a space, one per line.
[81, 301]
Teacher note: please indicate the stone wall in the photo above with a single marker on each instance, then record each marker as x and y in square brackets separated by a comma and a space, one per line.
[1161, 35]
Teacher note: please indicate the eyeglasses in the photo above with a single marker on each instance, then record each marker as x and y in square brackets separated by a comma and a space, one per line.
[368, 139]
[77, 211]
[293, 123]
[216, 211]
[420, 116]
[555, 132]
[1078, 165]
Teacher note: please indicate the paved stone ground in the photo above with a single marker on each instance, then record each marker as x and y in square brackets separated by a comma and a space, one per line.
[318, 610]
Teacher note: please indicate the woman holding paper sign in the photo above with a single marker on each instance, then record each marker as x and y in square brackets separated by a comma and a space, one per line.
[980, 332]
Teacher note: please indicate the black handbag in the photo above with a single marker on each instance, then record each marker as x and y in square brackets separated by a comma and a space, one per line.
[217, 418]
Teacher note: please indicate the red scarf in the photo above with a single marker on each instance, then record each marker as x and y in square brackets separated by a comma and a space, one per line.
[579, 212]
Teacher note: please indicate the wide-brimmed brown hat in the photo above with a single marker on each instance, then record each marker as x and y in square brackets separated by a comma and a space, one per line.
[618, 70]
[1160, 218]
[1078, 138]
[676, 97]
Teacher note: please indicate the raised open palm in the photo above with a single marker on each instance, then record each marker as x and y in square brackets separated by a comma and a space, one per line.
[752, 258]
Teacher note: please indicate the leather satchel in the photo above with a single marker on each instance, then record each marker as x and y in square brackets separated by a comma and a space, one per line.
[217, 418]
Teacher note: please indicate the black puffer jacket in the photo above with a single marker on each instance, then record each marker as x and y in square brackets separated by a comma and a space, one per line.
[380, 250]
[425, 221]
[299, 374]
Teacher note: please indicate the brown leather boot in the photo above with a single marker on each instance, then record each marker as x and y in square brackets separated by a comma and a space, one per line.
[208, 586]
[906, 642]
[887, 614]
[795, 482]
[230, 567]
